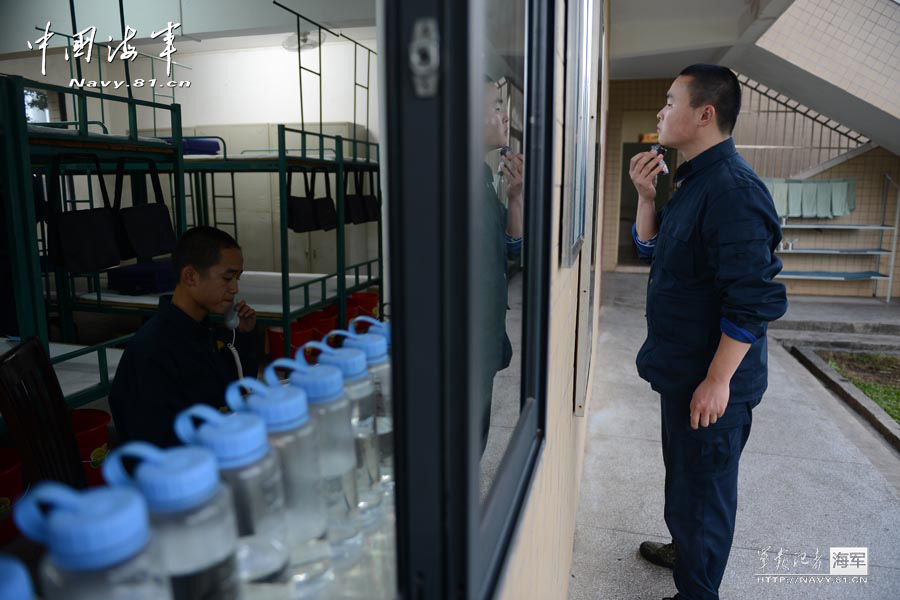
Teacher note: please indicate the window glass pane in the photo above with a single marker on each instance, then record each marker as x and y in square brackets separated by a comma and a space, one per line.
[497, 228]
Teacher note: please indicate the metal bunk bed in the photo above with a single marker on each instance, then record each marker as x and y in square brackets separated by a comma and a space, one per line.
[278, 297]
[31, 149]
[300, 293]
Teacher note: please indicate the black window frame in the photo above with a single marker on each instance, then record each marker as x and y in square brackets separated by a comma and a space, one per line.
[449, 543]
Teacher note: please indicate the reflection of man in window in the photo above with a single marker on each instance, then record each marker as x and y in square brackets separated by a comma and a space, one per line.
[710, 297]
[502, 239]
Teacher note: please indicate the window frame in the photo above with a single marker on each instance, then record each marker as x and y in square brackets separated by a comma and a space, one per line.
[448, 543]
[576, 127]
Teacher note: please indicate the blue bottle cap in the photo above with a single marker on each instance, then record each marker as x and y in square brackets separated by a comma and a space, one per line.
[15, 583]
[322, 383]
[171, 480]
[289, 365]
[350, 361]
[87, 530]
[373, 344]
[375, 326]
[281, 407]
[237, 440]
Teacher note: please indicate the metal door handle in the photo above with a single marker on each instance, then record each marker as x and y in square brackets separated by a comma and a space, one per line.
[425, 57]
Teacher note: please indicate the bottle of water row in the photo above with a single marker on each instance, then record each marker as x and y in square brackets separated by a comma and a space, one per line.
[374, 346]
[360, 390]
[294, 437]
[375, 577]
[98, 542]
[324, 389]
[252, 471]
[191, 515]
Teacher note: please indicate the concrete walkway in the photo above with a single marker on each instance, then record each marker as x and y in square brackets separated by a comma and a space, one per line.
[813, 476]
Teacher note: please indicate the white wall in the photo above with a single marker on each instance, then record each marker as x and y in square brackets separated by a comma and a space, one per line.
[260, 85]
[240, 94]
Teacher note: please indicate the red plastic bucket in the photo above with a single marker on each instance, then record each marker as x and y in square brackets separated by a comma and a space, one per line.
[298, 338]
[11, 487]
[367, 301]
[323, 323]
[90, 427]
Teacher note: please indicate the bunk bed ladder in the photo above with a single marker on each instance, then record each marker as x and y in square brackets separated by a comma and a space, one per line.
[215, 206]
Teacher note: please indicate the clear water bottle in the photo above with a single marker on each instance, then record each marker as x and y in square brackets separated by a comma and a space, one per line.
[375, 347]
[15, 583]
[253, 472]
[98, 543]
[324, 387]
[191, 515]
[360, 389]
[294, 437]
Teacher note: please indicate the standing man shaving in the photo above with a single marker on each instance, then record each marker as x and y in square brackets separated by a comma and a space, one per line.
[710, 297]
[502, 232]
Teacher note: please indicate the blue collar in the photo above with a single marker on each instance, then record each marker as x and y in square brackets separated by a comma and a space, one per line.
[707, 158]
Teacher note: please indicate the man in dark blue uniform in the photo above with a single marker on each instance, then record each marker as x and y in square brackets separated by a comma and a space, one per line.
[501, 238]
[710, 297]
[179, 358]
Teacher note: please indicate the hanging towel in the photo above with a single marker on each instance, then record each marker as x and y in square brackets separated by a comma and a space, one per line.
[840, 204]
[810, 208]
[851, 195]
[795, 199]
[823, 200]
[781, 198]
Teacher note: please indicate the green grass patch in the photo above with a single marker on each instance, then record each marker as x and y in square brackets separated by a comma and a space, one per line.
[873, 374]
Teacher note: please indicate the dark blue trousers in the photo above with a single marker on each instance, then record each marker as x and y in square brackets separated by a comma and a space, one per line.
[701, 491]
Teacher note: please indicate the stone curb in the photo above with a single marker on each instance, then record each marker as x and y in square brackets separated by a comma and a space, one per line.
[849, 393]
[837, 327]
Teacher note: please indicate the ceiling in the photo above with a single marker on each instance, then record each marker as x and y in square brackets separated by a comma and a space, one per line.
[652, 39]
[190, 45]
[656, 39]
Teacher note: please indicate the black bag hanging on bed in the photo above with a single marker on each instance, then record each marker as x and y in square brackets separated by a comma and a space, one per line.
[40, 202]
[326, 214]
[372, 206]
[81, 241]
[126, 250]
[301, 213]
[147, 227]
[354, 204]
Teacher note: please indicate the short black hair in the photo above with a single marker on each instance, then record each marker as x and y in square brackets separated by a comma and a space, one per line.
[716, 85]
[200, 247]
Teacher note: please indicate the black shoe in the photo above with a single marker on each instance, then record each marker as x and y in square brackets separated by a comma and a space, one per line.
[663, 555]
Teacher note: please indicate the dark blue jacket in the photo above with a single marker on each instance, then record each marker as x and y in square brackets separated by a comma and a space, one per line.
[171, 363]
[712, 271]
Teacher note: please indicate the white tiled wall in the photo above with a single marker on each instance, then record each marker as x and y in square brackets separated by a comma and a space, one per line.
[853, 44]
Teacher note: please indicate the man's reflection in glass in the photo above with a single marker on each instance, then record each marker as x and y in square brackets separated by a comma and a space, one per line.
[501, 231]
